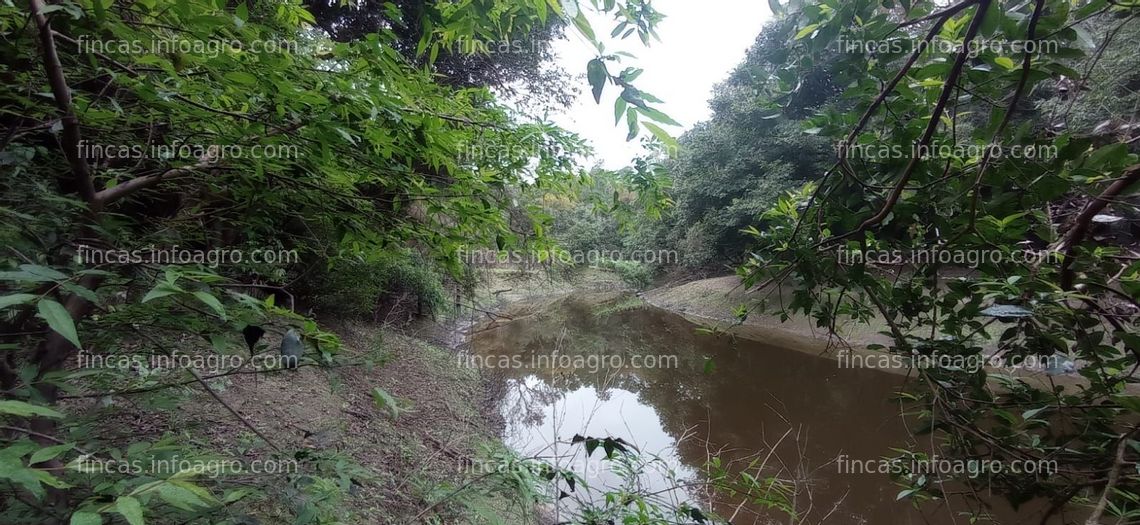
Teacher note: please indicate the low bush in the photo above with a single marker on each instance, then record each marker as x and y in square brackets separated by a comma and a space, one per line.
[393, 287]
[635, 274]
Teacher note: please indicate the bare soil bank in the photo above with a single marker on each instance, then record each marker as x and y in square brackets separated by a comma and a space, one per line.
[711, 303]
[346, 458]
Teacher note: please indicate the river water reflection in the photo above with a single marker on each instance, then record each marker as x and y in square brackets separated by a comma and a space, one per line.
[796, 411]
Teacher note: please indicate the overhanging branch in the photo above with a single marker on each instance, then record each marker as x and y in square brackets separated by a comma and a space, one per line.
[1068, 244]
[928, 134]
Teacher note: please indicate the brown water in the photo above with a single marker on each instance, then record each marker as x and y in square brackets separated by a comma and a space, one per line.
[794, 412]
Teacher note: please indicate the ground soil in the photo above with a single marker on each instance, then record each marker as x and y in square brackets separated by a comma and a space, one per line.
[391, 463]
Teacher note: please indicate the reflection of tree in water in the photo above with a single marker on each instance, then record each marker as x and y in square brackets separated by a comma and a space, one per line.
[679, 393]
[528, 401]
[574, 330]
[755, 394]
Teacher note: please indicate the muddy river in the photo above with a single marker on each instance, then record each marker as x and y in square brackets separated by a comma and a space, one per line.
[626, 370]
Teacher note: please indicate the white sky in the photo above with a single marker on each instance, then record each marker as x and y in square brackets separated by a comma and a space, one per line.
[701, 42]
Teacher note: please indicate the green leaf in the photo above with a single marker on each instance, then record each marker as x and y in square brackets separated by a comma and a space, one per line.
[16, 298]
[81, 291]
[620, 106]
[24, 277]
[661, 135]
[630, 74]
[130, 509]
[1130, 402]
[570, 8]
[180, 497]
[658, 116]
[30, 479]
[583, 26]
[1108, 155]
[58, 320]
[1089, 8]
[22, 409]
[161, 290]
[241, 77]
[48, 453]
[633, 96]
[236, 495]
[809, 29]
[86, 518]
[347, 136]
[618, 29]
[608, 447]
[597, 74]
[43, 271]
[212, 302]
[202, 493]
[385, 401]
[992, 20]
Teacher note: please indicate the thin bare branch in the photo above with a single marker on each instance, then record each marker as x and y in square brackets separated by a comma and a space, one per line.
[1067, 245]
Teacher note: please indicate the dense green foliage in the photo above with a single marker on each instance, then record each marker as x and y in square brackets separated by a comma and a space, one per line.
[517, 62]
[1076, 299]
[999, 256]
[388, 287]
[731, 168]
[612, 222]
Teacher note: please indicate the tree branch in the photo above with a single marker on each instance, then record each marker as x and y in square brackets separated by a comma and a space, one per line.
[1113, 477]
[931, 127]
[942, 15]
[62, 94]
[115, 193]
[1067, 245]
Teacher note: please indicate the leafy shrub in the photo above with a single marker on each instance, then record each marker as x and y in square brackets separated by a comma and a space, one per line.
[697, 247]
[379, 286]
[635, 274]
[586, 231]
